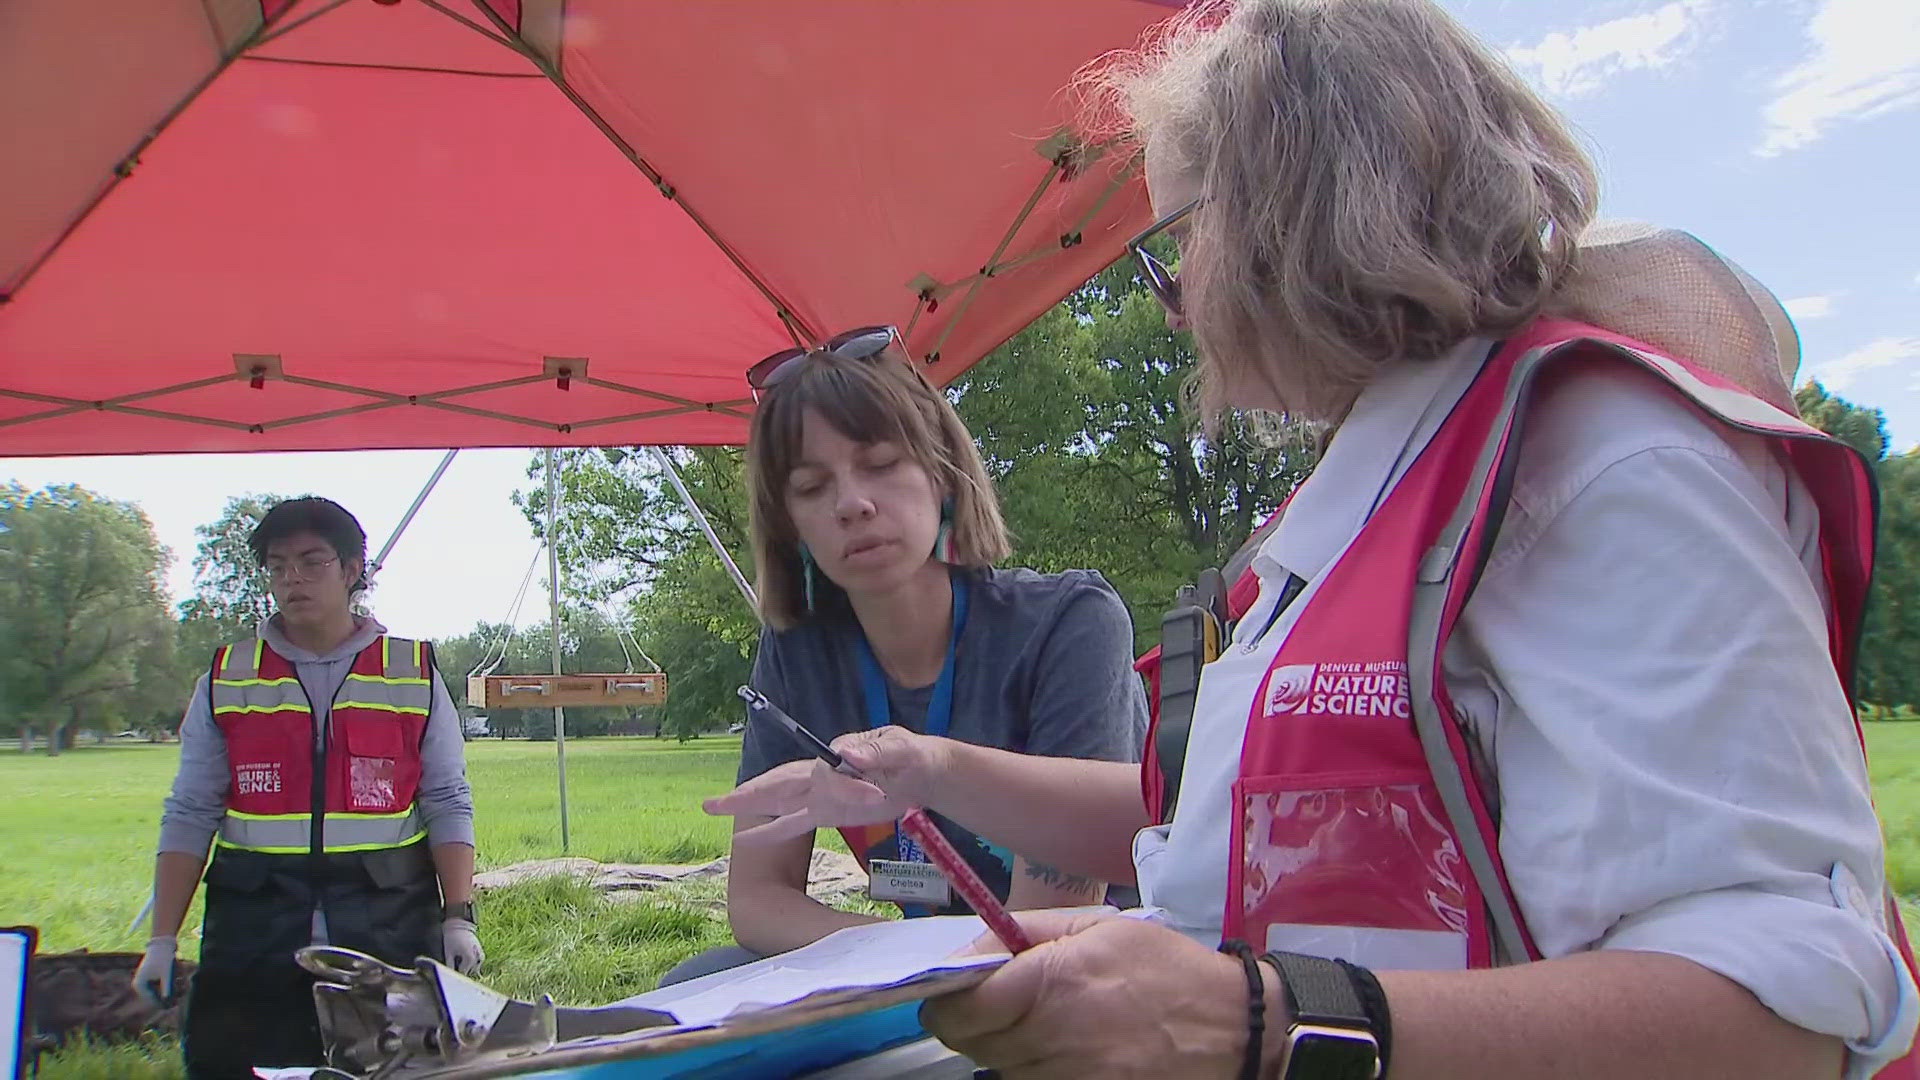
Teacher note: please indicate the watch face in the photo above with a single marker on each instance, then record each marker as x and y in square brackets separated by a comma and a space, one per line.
[1331, 1054]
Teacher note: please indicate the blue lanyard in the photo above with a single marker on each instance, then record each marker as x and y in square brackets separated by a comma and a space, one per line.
[873, 682]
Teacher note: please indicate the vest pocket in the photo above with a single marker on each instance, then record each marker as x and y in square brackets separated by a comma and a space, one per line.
[373, 748]
[263, 765]
[1360, 866]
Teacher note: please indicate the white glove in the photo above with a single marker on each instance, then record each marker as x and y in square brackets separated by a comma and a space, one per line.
[460, 946]
[153, 980]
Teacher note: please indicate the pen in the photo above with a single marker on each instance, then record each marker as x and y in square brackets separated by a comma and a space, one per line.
[916, 824]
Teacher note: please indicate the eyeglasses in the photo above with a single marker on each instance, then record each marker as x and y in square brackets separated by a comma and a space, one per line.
[861, 344]
[1161, 279]
[303, 569]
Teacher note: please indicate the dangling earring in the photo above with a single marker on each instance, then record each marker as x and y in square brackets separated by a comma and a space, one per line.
[806, 572]
[943, 540]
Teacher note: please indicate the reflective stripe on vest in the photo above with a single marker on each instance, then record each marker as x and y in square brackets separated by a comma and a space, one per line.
[289, 834]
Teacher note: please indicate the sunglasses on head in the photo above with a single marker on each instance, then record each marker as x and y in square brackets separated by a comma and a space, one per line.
[1161, 280]
[861, 344]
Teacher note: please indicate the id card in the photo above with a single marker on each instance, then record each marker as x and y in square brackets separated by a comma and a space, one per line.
[907, 883]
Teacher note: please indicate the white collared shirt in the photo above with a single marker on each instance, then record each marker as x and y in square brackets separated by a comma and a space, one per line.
[1645, 665]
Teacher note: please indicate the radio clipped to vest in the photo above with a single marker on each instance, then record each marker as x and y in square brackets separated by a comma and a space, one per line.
[1190, 638]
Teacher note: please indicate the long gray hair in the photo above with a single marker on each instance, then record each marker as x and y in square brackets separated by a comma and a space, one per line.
[1376, 185]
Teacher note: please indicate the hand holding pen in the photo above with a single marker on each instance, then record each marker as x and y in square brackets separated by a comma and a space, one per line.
[914, 822]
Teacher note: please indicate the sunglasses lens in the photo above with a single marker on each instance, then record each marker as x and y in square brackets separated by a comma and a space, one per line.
[1160, 280]
[863, 343]
[763, 374]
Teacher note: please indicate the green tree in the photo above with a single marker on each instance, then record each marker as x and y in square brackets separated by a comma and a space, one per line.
[1100, 463]
[1889, 672]
[230, 596]
[80, 585]
[630, 551]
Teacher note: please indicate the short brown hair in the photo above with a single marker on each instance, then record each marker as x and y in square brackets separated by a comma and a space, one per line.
[1375, 185]
[877, 399]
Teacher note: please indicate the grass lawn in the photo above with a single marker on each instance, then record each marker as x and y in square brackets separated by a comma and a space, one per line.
[77, 836]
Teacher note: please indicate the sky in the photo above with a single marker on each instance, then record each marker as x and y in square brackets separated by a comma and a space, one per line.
[1786, 133]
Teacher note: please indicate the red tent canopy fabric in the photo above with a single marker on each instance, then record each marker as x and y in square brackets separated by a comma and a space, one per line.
[327, 224]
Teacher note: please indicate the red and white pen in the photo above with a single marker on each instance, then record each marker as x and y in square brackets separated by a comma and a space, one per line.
[918, 826]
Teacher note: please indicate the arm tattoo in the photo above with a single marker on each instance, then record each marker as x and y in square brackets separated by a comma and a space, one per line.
[1060, 879]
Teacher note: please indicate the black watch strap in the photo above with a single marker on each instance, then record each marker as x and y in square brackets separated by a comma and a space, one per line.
[1319, 991]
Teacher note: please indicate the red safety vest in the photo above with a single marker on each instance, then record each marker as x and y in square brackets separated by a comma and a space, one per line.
[1358, 811]
[360, 785]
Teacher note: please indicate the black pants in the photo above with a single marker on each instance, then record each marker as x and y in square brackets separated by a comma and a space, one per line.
[238, 1019]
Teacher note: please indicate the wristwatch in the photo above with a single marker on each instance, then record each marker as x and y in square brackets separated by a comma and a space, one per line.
[1330, 1036]
[462, 910]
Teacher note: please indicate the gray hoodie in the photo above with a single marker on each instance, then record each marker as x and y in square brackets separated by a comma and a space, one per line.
[199, 799]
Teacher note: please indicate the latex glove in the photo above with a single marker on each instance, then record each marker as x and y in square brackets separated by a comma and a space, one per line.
[460, 946]
[153, 980]
[1101, 995]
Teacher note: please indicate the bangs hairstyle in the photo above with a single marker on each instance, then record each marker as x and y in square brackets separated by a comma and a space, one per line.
[1375, 184]
[319, 517]
[872, 400]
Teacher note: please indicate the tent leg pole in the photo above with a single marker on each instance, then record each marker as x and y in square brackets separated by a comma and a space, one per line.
[407, 518]
[553, 611]
[686, 499]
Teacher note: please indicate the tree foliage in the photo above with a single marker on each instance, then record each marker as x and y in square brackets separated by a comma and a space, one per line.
[1890, 651]
[85, 615]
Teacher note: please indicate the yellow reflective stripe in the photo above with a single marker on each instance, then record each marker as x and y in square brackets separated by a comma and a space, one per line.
[337, 815]
[259, 645]
[287, 707]
[386, 653]
[419, 660]
[377, 847]
[256, 682]
[342, 831]
[379, 706]
[343, 849]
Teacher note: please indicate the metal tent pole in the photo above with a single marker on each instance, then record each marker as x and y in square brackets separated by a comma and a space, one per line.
[686, 499]
[407, 518]
[553, 609]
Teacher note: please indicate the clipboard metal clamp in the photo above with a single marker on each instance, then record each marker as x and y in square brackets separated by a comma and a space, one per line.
[379, 1021]
[376, 1019]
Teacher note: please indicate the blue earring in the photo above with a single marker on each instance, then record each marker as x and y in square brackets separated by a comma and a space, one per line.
[943, 540]
[806, 572]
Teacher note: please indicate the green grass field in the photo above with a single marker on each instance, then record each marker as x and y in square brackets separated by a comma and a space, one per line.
[77, 836]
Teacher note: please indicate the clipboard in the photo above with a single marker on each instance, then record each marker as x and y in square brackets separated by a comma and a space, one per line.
[806, 1036]
[824, 1005]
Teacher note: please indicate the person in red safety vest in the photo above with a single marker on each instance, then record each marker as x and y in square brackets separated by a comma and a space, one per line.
[1531, 750]
[324, 762]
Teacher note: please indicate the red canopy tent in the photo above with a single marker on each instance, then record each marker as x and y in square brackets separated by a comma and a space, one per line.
[329, 224]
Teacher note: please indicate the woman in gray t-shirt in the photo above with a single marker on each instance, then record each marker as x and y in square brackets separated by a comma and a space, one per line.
[874, 532]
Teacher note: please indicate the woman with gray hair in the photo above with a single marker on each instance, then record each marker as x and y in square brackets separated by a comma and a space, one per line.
[1533, 755]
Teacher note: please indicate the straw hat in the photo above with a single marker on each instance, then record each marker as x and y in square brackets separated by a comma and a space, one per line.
[1667, 288]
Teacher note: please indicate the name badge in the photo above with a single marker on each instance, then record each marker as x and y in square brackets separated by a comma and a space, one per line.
[907, 883]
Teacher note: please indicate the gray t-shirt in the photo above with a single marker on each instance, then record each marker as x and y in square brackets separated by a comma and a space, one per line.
[1043, 666]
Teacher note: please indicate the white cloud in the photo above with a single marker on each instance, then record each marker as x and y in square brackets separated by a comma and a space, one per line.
[1838, 375]
[1576, 62]
[1865, 62]
[1809, 307]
